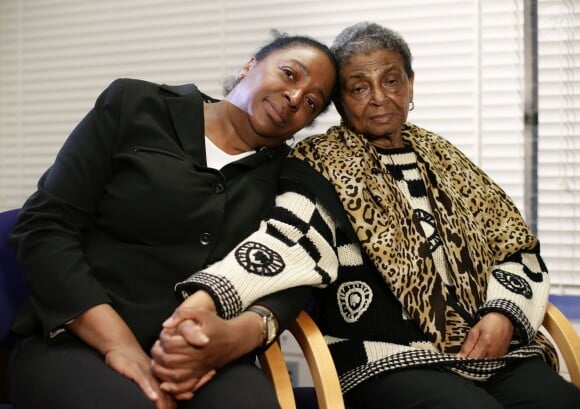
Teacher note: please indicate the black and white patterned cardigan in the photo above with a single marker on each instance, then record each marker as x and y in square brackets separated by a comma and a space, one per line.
[308, 240]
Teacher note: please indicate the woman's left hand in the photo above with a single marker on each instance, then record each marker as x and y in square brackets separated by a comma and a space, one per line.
[489, 338]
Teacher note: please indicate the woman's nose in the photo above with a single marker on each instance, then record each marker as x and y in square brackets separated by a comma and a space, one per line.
[378, 96]
[294, 96]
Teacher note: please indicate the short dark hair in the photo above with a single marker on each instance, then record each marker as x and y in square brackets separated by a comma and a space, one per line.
[282, 41]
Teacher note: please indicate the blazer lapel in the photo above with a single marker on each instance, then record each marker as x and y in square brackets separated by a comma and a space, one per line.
[187, 115]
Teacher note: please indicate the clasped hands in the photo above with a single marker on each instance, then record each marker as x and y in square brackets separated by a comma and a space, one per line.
[193, 343]
[183, 358]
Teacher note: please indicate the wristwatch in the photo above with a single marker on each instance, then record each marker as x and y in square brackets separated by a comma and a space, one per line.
[269, 324]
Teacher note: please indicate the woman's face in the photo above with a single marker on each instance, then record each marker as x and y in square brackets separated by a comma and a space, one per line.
[375, 93]
[284, 92]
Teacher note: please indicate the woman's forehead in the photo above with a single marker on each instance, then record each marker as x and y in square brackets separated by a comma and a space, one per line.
[384, 60]
[295, 49]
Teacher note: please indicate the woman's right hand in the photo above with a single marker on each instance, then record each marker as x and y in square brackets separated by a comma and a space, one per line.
[102, 328]
[132, 362]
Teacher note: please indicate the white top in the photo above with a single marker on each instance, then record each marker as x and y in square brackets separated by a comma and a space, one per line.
[217, 159]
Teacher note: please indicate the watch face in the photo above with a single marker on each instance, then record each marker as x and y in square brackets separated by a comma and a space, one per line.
[271, 328]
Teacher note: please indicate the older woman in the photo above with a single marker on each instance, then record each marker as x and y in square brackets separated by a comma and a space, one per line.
[432, 288]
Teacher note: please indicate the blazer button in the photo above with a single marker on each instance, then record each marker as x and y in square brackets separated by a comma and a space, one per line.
[205, 239]
[219, 188]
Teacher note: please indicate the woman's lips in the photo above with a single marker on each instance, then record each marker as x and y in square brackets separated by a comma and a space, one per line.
[276, 112]
[381, 118]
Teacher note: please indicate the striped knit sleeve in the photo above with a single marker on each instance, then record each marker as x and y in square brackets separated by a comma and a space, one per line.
[519, 288]
[294, 246]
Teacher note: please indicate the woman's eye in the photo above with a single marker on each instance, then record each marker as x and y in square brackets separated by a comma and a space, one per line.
[392, 82]
[311, 103]
[358, 90]
[288, 72]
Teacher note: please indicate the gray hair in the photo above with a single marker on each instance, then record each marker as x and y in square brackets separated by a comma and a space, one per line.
[366, 37]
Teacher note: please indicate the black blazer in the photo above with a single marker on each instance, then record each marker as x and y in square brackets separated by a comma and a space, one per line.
[129, 208]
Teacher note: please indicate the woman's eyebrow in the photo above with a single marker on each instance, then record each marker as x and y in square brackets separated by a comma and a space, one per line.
[306, 72]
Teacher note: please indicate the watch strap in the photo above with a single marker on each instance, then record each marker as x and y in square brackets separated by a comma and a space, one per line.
[269, 332]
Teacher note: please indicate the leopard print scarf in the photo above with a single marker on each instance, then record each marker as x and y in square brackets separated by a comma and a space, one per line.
[478, 224]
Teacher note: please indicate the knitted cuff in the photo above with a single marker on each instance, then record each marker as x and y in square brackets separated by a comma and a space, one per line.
[523, 282]
[227, 301]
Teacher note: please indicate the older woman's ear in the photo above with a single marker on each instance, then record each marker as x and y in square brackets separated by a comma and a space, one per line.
[411, 82]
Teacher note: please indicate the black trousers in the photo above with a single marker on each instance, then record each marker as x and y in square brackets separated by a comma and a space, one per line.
[529, 383]
[72, 375]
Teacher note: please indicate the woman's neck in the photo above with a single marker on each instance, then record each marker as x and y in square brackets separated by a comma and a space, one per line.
[220, 130]
[388, 141]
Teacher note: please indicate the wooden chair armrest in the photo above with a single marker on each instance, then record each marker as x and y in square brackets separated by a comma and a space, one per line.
[274, 366]
[322, 369]
[566, 340]
[317, 355]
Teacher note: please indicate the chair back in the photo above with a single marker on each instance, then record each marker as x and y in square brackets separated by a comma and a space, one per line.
[12, 294]
[12, 287]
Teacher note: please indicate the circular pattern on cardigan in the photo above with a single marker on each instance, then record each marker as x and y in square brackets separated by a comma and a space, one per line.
[513, 282]
[259, 259]
[354, 298]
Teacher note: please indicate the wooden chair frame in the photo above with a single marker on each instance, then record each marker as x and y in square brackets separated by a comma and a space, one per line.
[319, 360]
[325, 378]
[566, 340]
